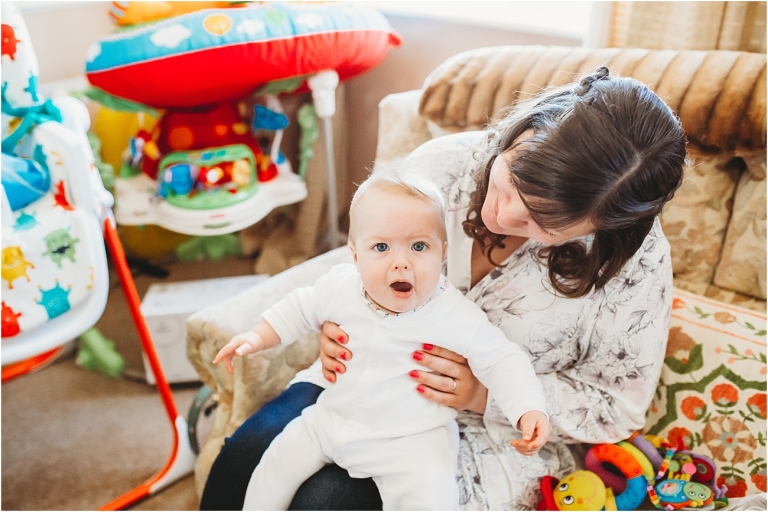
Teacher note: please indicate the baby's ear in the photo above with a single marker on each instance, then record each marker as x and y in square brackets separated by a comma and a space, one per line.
[354, 252]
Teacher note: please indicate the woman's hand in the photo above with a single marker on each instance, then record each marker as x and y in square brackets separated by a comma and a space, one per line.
[457, 387]
[467, 393]
[332, 352]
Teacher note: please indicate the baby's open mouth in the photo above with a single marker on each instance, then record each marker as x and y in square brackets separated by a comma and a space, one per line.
[401, 286]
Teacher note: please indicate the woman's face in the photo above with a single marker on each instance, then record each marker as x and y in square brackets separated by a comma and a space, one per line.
[504, 212]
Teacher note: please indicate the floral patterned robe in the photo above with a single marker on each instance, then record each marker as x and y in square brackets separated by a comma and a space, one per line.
[599, 357]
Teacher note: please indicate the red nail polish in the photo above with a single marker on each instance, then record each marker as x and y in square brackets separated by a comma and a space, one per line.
[341, 338]
[414, 374]
[428, 346]
[338, 369]
[418, 356]
[420, 388]
[331, 378]
[343, 355]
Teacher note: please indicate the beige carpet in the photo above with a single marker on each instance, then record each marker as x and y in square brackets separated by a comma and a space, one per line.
[73, 439]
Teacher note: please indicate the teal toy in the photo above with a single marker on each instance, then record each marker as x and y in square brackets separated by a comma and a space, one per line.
[98, 353]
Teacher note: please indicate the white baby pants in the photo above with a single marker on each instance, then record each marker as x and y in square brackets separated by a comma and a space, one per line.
[414, 472]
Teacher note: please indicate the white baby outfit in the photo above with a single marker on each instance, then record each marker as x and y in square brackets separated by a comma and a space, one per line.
[372, 422]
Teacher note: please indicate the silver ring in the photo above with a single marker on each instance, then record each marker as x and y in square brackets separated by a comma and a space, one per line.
[454, 385]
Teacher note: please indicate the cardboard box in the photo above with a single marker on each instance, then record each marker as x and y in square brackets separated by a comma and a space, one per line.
[166, 308]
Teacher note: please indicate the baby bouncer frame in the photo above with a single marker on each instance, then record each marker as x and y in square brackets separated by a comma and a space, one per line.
[40, 346]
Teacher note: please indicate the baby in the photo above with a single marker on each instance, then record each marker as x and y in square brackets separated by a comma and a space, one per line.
[372, 422]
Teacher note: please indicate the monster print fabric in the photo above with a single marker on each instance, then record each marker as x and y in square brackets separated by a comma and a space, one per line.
[46, 267]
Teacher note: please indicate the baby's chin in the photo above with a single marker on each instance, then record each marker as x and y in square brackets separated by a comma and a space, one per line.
[395, 304]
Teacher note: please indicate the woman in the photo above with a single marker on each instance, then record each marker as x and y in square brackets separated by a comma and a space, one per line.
[553, 232]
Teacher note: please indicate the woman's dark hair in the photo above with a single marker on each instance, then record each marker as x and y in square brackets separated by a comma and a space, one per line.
[606, 149]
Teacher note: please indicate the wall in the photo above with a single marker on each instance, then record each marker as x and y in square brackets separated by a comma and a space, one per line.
[62, 33]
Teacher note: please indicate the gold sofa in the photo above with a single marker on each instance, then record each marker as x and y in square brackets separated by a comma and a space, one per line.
[716, 225]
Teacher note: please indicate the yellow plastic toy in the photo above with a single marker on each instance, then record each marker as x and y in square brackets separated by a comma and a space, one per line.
[648, 472]
[592, 489]
[150, 242]
[581, 490]
[115, 129]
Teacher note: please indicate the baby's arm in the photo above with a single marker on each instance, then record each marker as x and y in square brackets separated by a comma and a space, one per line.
[300, 312]
[261, 337]
[506, 370]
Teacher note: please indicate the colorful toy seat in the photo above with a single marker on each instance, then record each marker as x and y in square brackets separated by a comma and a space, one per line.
[54, 273]
[197, 65]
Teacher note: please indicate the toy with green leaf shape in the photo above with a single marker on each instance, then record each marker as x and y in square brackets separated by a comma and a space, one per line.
[98, 353]
[106, 171]
[309, 133]
[214, 247]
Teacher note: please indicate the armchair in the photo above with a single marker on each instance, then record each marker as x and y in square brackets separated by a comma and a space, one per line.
[715, 224]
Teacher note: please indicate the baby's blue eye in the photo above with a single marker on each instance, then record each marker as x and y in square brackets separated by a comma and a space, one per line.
[380, 247]
[419, 246]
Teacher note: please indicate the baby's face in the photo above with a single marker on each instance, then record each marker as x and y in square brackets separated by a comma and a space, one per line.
[398, 248]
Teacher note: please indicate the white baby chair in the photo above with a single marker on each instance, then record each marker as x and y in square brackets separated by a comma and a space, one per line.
[53, 239]
[48, 337]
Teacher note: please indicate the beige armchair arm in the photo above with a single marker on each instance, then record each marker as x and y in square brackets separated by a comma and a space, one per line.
[257, 378]
[401, 128]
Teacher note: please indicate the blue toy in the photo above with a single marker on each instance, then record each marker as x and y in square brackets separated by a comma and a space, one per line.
[178, 178]
[25, 181]
[266, 119]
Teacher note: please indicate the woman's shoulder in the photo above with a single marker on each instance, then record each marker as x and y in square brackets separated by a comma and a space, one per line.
[652, 260]
[449, 162]
[446, 155]
[655, 246]
[456, 141]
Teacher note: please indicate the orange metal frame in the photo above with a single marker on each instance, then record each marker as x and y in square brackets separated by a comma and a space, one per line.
[134, 303]
[14, 370]
[169, 472]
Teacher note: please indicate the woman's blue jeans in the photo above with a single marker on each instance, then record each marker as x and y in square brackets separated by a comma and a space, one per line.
[331, 488]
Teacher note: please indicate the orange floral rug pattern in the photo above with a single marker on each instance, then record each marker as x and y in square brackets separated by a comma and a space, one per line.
[712, 392]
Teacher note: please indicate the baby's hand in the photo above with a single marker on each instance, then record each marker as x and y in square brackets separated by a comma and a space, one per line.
[535, 428]
[241, 344]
